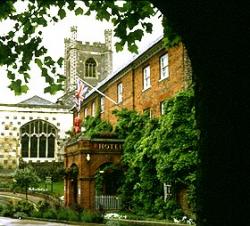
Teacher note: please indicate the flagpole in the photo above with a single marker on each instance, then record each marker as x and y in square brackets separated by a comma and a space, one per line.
[97, 90]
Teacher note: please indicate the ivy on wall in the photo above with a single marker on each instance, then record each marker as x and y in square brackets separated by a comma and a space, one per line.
[156, 151]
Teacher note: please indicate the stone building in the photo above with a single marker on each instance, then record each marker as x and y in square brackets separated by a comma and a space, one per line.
[91, 62]
[34, 130]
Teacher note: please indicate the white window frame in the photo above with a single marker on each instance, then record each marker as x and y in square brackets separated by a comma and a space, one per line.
[85, 112]
[164, 72]
[162, 111]
[119, 92]
[93, 109]
[102, 102]
[146, 78]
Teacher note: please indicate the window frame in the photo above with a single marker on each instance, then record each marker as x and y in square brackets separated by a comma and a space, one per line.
[93, 111]
[163, 67]
[162, 111]
[102, 104]
[90, 68]
[119, 92]
[146, 77]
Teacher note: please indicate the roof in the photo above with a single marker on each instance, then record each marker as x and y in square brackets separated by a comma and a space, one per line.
[36, 100]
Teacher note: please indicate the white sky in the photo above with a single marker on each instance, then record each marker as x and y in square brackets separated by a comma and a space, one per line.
[90, 30]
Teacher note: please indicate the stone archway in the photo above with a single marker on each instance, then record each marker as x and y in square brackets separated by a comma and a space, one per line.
[88, 155]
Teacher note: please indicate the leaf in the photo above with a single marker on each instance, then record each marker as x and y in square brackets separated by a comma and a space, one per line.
[78, 11]
[61, 13]
[39, 63]
[11, 75]
[17, 87]
[60, 61]
[133, 48]
[118, 46]
[53, 88]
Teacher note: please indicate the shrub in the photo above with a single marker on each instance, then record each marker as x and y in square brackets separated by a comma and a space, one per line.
[24, 207]
[37, 214]
[42, 206]
[8, 210]
[67, 214]
[20, 215]
[92, 217]
[73, 215]
[62, 214]
[50, 214]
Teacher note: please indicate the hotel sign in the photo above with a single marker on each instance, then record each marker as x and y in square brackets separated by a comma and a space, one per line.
[107, 146]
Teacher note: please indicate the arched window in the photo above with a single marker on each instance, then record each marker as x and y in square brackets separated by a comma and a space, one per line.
[38, 139]
[90, 68]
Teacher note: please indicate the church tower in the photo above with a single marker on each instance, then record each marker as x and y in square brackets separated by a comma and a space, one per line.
[91, 62]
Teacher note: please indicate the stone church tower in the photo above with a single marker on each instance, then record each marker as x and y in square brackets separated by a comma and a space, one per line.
[91, 62]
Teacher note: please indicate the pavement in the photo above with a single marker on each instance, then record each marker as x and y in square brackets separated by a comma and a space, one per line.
[19, 196]
[5, 221]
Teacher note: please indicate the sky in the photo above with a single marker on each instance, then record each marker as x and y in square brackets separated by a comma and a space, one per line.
[89, 30]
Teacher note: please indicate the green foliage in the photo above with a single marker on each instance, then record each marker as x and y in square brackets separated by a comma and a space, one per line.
[19, 209]
[55, 170]
[94, 127]
[158, 151]
[23, 42]
[25, 178]
[111, 175]
[49, 213]
[171, 38]
[90, 216]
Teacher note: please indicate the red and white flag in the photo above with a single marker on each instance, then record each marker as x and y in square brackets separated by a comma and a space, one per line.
[80, 93]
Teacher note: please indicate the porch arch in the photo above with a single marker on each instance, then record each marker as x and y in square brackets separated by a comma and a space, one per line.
[89, 155]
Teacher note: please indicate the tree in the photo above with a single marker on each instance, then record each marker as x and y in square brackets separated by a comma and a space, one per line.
[215, 34]
[25, 178]
[23, 43]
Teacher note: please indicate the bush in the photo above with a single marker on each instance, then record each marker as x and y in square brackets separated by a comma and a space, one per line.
[50, 214]
[24, 207]
[37, 214]
[42, 206]
[8, 210]
[73, 215]
[62, 214]
[20, 215]
[67, 214]
[92, 217]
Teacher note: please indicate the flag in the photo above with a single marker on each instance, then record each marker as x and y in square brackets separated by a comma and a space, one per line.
[81, 91]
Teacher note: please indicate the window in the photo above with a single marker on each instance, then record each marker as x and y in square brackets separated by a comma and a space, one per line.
[93, 109]
[102, 104]
[119, 93]
[85, 112]
[162, 109]
[164, 67]
[146, 78]
[90, 68]
[38, 139]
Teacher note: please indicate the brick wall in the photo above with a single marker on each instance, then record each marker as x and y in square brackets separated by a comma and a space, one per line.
[134, 97]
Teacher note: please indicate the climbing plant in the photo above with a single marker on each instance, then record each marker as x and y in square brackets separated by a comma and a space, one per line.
[158, 151]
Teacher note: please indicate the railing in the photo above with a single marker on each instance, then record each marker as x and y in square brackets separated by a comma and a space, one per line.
[107, 202]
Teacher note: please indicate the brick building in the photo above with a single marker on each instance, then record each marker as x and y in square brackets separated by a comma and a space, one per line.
[143, 84]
